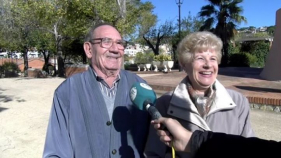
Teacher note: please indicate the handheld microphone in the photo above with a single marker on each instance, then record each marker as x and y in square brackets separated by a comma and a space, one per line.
[143, 97]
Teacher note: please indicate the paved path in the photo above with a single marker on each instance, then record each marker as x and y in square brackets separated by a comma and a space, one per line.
[244, 80]
[266, 124]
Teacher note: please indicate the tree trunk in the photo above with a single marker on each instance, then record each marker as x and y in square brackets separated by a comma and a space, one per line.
[224, 60]
[151, 46]
[46, 60]
[25, 61]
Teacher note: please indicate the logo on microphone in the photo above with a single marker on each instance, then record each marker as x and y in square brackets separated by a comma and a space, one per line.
[145, 86]
[133, 93]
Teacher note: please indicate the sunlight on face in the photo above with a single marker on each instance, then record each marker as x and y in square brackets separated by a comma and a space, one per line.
[203, 70]
[107, 59]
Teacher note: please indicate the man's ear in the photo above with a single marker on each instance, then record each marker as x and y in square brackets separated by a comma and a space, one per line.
[87, 48]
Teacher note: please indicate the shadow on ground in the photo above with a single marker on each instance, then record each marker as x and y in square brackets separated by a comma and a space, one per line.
[245, 72]
[4, 98]
[259, 89]
[2, 109]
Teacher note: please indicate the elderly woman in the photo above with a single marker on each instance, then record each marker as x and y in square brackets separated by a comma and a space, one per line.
[200, 101]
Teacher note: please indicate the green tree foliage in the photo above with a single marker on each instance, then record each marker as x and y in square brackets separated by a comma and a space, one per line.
[146, 21]
[189, 25]
[239, 60]
[254, 51]
[17, 26]
[270, 30]
[158, 35]
[139, 58]
[60, 25]
[144, 58]
[163, 57]
[234, 48]
[259, 49]
[222, 18]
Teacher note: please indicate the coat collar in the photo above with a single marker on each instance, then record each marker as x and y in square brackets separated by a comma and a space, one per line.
[182, 107]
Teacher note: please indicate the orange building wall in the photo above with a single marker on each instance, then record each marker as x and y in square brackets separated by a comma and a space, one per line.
[36, 63]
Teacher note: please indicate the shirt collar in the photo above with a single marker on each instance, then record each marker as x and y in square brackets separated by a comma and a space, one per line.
[99, 79]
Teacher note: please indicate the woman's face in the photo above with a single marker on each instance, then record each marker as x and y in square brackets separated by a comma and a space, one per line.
[203, 70]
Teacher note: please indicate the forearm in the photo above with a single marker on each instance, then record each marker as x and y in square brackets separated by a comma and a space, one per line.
[222, 145]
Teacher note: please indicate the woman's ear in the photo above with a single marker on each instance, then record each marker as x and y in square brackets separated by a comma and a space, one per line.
[87, 48]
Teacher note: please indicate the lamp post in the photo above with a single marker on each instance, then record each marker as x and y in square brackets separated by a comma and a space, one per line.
[179, 3]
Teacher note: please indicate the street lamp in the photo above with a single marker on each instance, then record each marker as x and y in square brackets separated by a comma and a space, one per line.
[179, 3]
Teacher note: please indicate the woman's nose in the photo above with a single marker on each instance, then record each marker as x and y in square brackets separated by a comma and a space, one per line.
[207, 64]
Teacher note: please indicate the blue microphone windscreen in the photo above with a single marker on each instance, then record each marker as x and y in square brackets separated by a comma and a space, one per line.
[141, 92]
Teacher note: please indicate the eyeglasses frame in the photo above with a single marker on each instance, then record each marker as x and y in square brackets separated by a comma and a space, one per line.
[101, 39]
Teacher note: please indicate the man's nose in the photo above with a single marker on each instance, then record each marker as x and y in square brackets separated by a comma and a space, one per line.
[113, 47]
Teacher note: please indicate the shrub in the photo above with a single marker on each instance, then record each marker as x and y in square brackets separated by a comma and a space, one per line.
[140, 58]
[239, 60]
[162, 57]
[132, 67]
[144, 58]
[252, 59]
[126, 66]
[234, 50]
[10, 69]
[149, 57]
[261, 50]
[10, 66]
[258, 49]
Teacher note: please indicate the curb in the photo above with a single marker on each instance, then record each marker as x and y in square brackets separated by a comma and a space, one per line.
[266, 101]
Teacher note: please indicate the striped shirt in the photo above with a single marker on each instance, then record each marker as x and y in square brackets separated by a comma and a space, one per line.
[104, 87]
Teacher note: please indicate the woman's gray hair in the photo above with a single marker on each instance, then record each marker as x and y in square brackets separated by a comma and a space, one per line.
[198, 42]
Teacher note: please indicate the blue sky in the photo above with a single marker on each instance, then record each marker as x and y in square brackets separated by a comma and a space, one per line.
[258, 12]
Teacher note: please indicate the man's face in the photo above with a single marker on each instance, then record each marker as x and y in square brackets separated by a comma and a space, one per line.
[107, 60]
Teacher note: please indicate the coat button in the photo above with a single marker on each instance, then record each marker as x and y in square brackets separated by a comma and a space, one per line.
[114, 152]
[108, 123]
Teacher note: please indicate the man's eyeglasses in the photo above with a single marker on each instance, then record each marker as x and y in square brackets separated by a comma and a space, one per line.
[107, 42]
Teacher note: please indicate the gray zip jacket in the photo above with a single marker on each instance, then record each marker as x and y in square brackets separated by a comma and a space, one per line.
[229, 114]
[68, 135]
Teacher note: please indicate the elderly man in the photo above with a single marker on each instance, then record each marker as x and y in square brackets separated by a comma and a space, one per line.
[92, 115]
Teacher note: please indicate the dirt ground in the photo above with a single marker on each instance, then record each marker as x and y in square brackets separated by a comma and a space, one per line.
[24, 112]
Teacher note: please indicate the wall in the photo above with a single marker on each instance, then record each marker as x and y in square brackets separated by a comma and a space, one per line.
[272, 70]
[36, 63]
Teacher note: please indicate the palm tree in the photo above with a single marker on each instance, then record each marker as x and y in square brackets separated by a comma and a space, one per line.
[222, 17]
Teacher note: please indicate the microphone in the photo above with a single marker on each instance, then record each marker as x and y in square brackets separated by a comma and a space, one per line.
[143, 97]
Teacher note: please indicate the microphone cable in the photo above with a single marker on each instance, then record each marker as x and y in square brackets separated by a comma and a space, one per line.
[173, 151]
